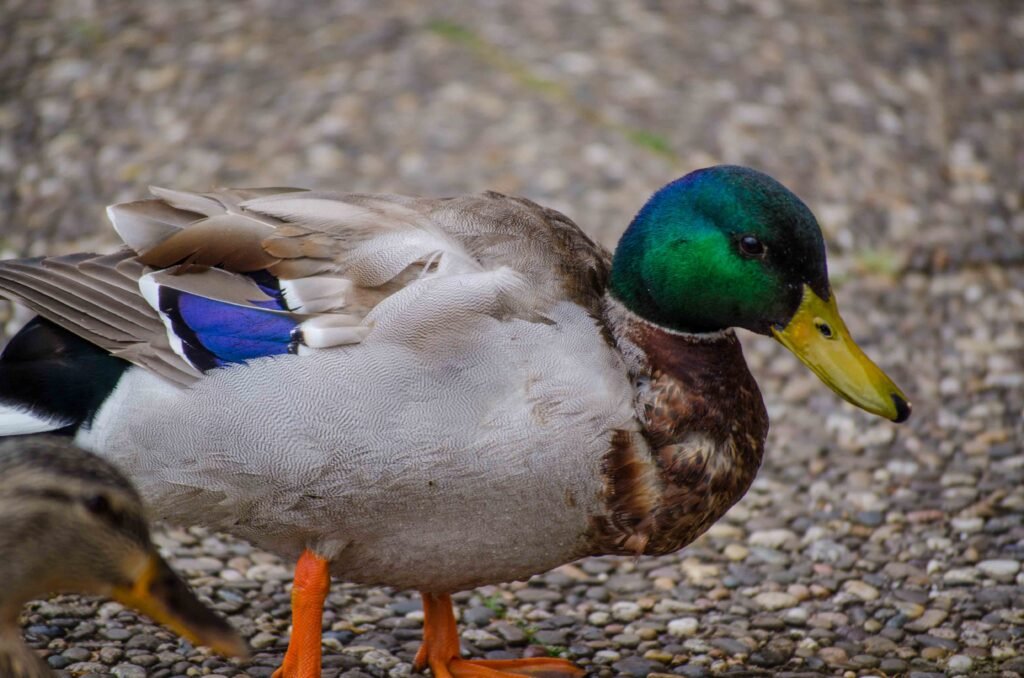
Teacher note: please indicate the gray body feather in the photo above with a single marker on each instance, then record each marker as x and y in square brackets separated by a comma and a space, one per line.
[446, 424]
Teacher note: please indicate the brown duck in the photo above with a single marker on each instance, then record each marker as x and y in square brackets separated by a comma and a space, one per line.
[70, 522]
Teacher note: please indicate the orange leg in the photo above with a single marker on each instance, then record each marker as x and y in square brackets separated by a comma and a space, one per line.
[309, 589]
[440, 650]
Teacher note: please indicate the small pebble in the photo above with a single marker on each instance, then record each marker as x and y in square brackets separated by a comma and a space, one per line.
[860, 589]
[775, 600]
[687, 626]
[999, 569]
[626, 611]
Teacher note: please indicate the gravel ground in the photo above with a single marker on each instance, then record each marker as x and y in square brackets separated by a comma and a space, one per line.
[863, 548]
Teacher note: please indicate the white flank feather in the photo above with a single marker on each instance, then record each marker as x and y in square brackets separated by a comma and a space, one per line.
[16, 422]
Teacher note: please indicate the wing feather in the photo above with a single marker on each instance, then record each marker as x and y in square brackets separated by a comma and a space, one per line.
[339, 268]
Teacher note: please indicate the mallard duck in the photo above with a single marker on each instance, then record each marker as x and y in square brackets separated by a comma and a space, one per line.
[431, 394]
[70, 521]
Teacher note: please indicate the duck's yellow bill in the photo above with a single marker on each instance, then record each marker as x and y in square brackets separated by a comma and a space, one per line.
[161, 594]
[818, 336]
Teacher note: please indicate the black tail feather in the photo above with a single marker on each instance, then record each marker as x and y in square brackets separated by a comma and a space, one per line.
[54, 374]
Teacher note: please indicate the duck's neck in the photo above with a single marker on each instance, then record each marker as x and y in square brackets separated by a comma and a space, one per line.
[702, 417]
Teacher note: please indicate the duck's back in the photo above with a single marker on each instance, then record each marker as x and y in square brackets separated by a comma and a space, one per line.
[397, 380]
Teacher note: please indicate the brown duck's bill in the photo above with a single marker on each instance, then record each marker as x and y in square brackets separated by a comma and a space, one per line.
[161, 594]
[818, 336]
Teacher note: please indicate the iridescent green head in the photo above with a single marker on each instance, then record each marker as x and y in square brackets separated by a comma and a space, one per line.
[722, 247]
[729, 246]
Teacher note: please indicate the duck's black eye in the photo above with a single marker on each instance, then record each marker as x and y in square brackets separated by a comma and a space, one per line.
[751, 246]
[98, 504]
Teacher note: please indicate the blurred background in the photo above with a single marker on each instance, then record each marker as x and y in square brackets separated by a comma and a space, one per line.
[863, 546]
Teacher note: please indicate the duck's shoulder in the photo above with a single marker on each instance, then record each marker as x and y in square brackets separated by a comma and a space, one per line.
[541, 243]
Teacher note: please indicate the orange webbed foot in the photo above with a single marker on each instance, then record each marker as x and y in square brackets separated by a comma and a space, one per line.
[309, 590]
[440, 651]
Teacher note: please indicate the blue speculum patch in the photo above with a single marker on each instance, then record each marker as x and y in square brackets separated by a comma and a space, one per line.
[270, 286]
[215, 333]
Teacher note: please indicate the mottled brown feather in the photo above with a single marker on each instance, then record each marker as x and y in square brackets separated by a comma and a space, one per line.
[630, 492]
[704, 424]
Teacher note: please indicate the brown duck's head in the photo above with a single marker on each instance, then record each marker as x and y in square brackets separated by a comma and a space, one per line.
[82, 527]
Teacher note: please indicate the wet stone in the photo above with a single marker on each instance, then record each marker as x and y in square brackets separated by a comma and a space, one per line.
[627, 583]
[128, 671]
[82, 668]
[626, 611]
[537, 595]
[928, 620]
[77, 654]
[551, 637]
[44, 630]
[773, 654]
[796, 616]
[479, 616]
[879, 646]
[512, 634]
[893, 666]
[687, 626]
[58, 661]
[407, 605]
[773, 539]
[834, 656]
[626, 640]
[927, 640]
[731, 646]
[1016, 664]
[263, 640]
[865, 661]
[116, 633]
[960, 664]
[595, 566]
[634, 666]
[110, 655]
[999, 569]
[870, 518]
[775, 600]
[769, 622]
[143, 641]
[826, 551]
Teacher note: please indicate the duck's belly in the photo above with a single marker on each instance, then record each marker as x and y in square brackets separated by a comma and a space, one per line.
[474, 457]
